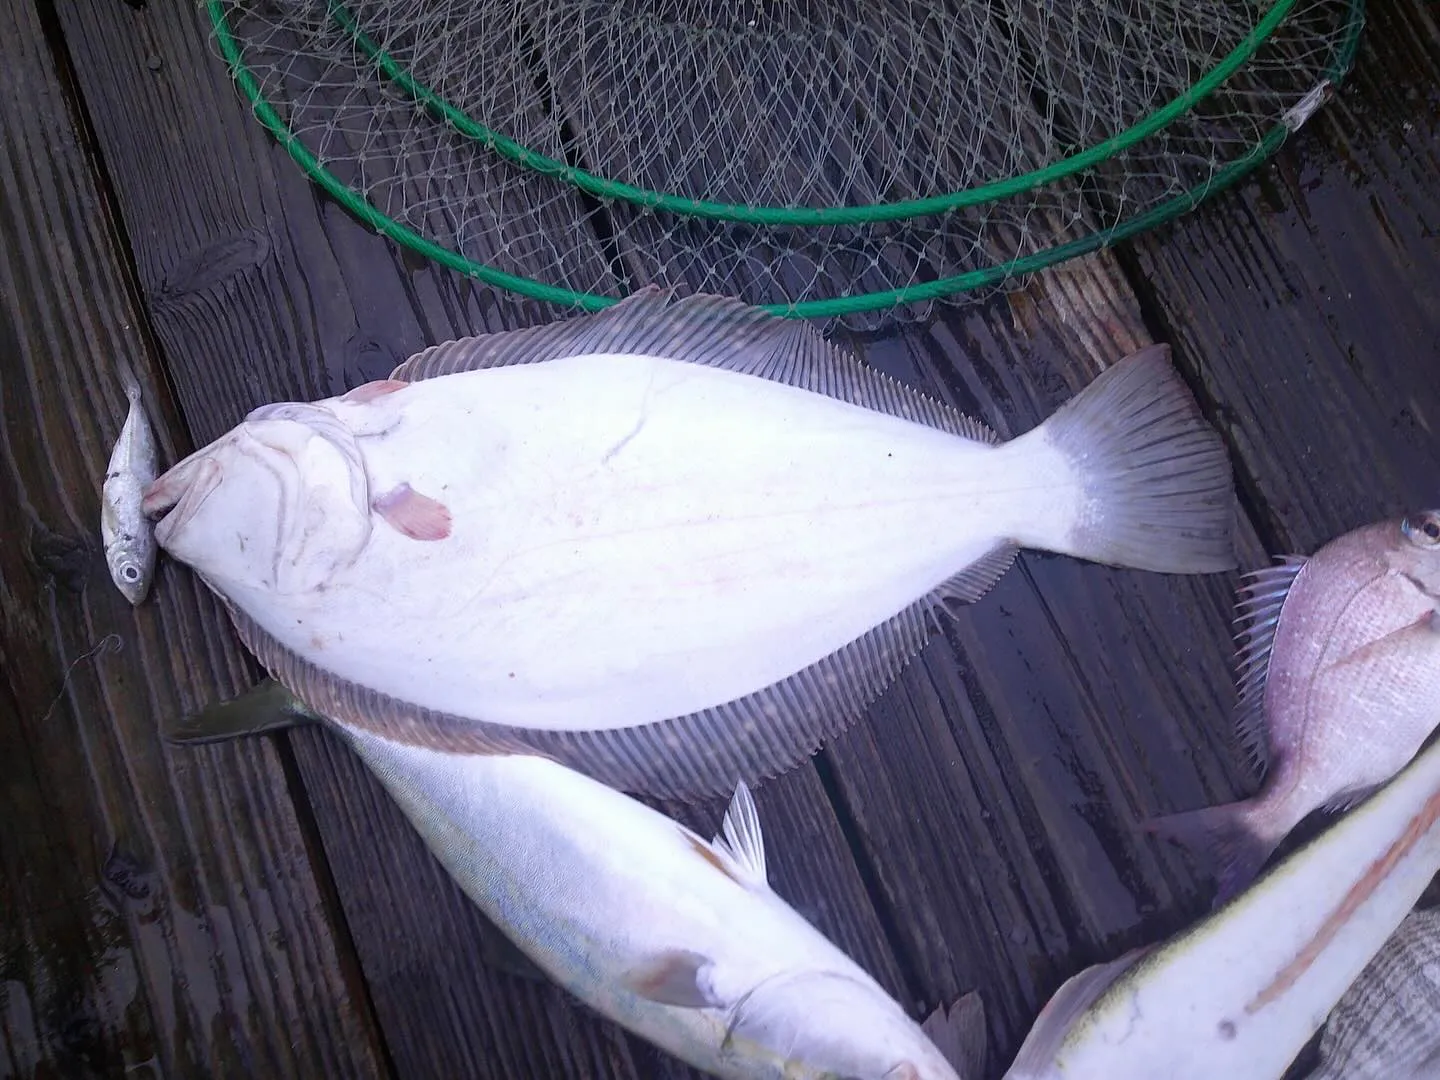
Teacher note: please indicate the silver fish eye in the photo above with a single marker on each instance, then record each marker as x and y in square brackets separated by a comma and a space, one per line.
[131, 573]
[1423, 529]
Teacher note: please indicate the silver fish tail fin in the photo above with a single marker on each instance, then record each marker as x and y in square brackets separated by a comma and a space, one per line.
[1156, 481]
[960, 1036]
[1229, 834]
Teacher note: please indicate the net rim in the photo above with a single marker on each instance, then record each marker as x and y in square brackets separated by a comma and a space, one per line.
[856, 303]
[812, 216]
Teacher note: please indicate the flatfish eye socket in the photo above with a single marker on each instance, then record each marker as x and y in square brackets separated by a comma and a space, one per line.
[1423, 529]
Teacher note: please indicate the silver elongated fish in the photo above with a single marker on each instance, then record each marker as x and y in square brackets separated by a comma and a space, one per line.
[1339, 684]
[1239, 994]
[670, 544]
[127, 534]
[676, 938]
[1387, 1026]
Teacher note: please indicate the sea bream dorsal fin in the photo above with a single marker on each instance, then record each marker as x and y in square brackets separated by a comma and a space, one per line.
[740, 837]
[1261, 595]
[715, 331]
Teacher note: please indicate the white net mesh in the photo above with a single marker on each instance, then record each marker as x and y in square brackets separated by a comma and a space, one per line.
[782, 104]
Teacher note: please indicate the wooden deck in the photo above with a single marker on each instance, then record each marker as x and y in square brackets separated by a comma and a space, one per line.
[261, 908]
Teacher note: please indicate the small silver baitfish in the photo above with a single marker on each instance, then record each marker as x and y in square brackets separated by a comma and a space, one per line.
[1387, 1026]
[671, 544]
[677, 938]
[1240, 993]
[128, 535]
[1339, 660]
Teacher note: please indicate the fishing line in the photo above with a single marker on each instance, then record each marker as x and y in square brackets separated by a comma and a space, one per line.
[110, 643]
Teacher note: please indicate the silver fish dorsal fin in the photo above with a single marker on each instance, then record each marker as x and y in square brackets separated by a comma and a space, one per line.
[740, 837]
[1258, 601]
[715, 331]
[1062, 1011]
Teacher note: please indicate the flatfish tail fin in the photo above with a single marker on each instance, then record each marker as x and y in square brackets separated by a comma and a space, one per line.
[1158, 490]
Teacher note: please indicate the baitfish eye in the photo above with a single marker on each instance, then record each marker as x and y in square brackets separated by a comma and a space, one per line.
[1423, 529]
[131, 574]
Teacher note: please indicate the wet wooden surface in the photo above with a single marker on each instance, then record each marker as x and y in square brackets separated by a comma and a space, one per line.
[160, 914]
[262, 908]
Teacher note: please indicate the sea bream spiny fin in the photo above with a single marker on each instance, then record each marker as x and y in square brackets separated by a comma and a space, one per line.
[1260, 597]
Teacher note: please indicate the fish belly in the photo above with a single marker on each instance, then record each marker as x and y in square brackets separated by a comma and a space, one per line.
[635, 539]
[596, 887]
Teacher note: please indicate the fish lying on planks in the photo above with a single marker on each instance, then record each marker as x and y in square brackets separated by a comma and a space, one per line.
[677, 939]
[1339, 684]
[1241, 992]
[127, 534]
[1387, 1026]
[670, 544]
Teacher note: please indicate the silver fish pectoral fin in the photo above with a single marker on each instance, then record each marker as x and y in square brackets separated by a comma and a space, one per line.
[677, 977]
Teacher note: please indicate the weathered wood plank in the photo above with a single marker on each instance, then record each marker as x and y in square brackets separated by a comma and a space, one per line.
[1312, 295]
[317, 305]
[142, 893]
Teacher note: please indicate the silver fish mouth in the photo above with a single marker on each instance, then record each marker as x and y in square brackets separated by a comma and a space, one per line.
[174, 498]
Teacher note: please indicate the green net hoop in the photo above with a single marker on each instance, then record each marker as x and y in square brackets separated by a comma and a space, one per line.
[819, 157]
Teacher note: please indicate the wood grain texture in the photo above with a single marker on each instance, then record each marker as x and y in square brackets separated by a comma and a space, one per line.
[1312, 293]
[997, 788]
[317, 305]
[977, 830]
[159, 913]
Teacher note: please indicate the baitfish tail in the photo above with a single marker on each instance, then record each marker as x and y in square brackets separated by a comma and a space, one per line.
[1230, 833]
[1157, 488]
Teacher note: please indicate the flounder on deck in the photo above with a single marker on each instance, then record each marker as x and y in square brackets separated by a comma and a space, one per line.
[670, 544]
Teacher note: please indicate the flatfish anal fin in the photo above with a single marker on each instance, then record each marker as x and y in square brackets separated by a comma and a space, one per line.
[1261, 595]
[977, 579]
[700, 755]
[714, 331]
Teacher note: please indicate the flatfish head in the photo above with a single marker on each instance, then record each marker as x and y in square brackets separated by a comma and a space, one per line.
[280, 502]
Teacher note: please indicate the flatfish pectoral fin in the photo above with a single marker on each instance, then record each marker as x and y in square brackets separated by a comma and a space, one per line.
[412, 514]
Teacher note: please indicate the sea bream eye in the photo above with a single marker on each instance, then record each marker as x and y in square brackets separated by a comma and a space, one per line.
[1423, 529]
